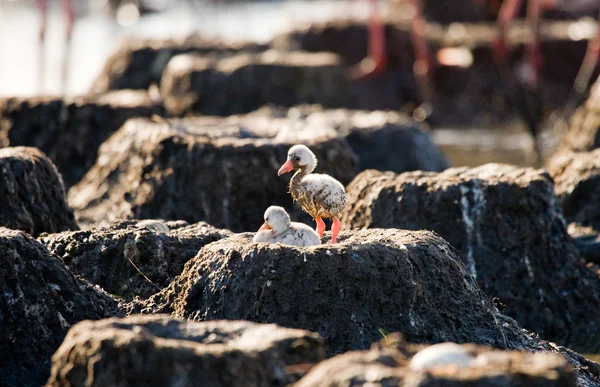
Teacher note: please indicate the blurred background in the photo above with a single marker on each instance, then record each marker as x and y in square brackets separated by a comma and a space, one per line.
[515, 71]
[99, 25]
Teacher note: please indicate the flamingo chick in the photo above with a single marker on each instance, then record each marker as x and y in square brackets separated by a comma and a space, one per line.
[279, 229]
[321, 196]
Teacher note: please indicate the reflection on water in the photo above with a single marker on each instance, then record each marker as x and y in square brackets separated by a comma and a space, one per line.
[96, 34]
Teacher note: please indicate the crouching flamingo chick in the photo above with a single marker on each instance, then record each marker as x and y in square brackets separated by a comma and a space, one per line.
[321, 196]
[278, 228]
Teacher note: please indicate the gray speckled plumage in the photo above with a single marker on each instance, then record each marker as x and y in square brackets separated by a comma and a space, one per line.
[320, 195]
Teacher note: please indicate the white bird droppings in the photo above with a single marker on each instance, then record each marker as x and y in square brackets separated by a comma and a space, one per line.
[528, 266]
[470, 216]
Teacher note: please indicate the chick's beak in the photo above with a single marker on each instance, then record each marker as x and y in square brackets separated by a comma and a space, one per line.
[265, 226]
[285, 168]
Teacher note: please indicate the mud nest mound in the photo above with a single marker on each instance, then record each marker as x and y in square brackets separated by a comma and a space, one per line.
[139, 63]
[70, 131]
[390, 364]
[577, 180]
[131, 259]
[507, 225]
[583, 133]
[153, 171]
[40, 301]
[158, 350]
[245, 82]
[373, 281]
[32, 194]
[383, 140]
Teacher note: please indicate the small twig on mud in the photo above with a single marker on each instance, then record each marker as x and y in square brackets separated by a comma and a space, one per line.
[144, 275]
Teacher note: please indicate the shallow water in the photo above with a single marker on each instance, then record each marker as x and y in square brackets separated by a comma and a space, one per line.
[96, 34]
[473, 147]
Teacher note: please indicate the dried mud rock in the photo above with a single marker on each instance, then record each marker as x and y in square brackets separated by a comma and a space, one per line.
[32, 194]
[148, 171]
[40, 300]
[383, 140]
[577, 181]
[390, 366]
[507, 226]
[333, 36]
[372, 281]
[587, 241]
[583, 133]
[70, 132]
[139, 63]
[243, 83]
[115, 257]
[161, 351]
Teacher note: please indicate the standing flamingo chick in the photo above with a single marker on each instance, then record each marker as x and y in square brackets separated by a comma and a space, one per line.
[279, 229]
[321, 196]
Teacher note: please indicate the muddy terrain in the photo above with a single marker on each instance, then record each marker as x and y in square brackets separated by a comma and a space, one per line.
[128, 215]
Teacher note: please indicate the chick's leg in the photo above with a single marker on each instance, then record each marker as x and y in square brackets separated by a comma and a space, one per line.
[320, 226]
[335, 229]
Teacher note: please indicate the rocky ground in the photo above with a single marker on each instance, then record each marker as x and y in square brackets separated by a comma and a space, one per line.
[577, 178]
[149, 170]
[246, 82]
[33, 193]
[127, 218]
[41, 300]
[506, 223]
[139, 63]
[229, 165]
[70, 132]
[131, 259]
[161, 351]
[583, 134]
[394, 363]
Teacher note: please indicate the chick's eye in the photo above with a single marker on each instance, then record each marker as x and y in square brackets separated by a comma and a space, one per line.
[297, 158]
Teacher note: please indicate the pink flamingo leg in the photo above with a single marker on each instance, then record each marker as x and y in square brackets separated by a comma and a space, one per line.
[377, 39]
[70, 16]
[423, 66]
[42, 7]
[535, 9]
[508, 11]
[335, 229]
[589, 64]
[534, 55]
[320, 226]
[376, 60]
